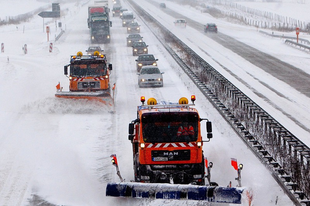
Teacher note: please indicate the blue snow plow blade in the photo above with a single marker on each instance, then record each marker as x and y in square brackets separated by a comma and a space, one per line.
[170, 191]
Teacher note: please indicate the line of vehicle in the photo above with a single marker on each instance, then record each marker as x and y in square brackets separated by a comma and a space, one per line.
[253, 118]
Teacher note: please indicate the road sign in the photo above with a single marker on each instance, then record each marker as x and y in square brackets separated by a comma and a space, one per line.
[49, 14]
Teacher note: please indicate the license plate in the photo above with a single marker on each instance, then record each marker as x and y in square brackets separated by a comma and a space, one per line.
[157, 159]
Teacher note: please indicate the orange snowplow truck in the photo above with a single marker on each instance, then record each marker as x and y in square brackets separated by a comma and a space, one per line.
[167, 143]
[88, 77]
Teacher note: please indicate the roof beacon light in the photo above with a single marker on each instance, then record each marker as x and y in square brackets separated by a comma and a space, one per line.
[79, 54]
[142, 99]
[151, 101]
[193, 98]
[183, 100]
[96, 53]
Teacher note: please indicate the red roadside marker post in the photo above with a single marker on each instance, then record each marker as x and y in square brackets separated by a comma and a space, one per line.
[48, 32]
[297, 33]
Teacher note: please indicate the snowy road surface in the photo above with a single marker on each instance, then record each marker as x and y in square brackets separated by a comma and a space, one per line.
[60, 149]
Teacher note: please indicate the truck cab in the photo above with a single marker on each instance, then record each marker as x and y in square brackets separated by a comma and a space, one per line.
[88, 72]
[160, 154]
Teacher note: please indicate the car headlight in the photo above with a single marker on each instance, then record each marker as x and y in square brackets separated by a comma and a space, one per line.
[154, 64]
[140, 65]
[145, 49]
[92, 37]
[128, 29]
[142, 80]
[138, 28]
[135, 49]
[159, 79]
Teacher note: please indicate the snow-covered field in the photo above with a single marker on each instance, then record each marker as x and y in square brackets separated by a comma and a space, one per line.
[60, 149]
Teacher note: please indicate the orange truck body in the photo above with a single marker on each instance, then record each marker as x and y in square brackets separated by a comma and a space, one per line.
[89, 78]
[160, 155]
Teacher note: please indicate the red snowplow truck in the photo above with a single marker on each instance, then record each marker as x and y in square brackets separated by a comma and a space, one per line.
[168, 159]
[89, 78]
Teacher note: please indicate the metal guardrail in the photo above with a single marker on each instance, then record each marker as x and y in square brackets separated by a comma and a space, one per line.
[293, 43]
[303, 42]
[281, 152]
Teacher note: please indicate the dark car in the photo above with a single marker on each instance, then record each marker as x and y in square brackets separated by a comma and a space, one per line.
[144, 60]
[92, 49]
[139, 48]
[133, 38]
[210, 27]
[162, 5]
[133, 27]
[116, 9]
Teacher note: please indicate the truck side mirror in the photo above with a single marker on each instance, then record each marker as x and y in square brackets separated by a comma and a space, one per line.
[110, 66]
[66, 70]
[209, 129]
[131, 128]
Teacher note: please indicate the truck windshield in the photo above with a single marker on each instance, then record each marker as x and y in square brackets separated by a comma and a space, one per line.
[170, 127]
[84, 70]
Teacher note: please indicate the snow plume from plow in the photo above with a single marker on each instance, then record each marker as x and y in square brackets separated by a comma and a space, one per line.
[66, 106]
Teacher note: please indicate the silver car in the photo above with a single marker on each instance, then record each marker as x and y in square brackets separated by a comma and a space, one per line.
[150, 76]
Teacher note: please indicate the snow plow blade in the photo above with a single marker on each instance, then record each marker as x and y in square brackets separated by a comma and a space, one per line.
[170, 191]
[101, 96]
